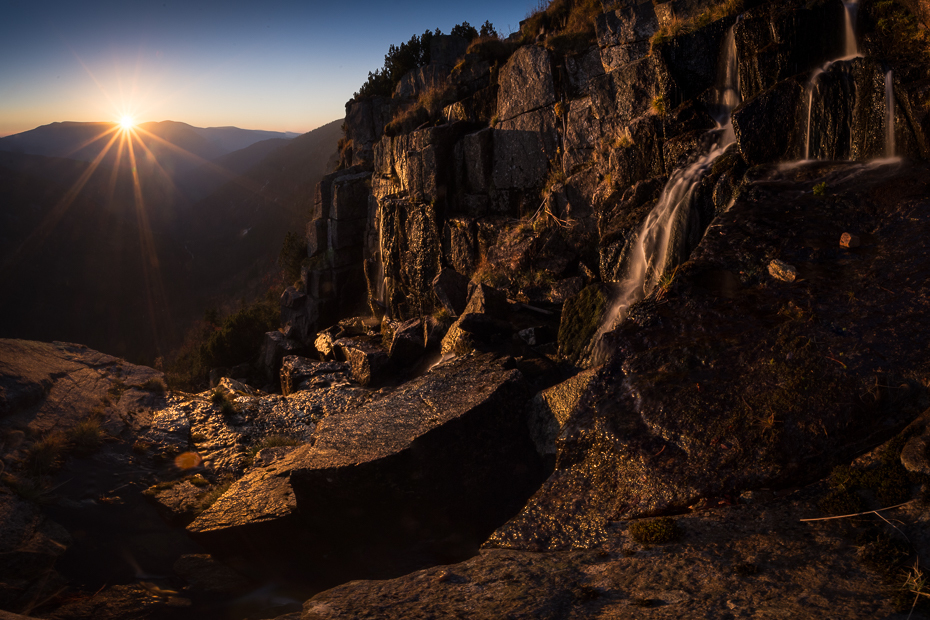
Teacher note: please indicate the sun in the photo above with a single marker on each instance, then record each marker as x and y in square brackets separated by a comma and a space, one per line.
[127, 123]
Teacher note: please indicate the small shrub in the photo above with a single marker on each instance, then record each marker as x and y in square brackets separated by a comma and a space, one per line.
[820, 189]
[677, 26]
[562, 20]
[154, 385]
[658, 106]
[665, 282]
[443, 316]
[900, 32]
[209, 498]
[408, 119]
[87, 436]
[45, 454]
[226, 404]
[655, 531]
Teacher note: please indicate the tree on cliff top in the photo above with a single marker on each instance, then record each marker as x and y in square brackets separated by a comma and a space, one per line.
[408, 56]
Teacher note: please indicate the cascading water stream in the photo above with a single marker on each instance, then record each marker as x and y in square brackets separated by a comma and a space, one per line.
[655, 245]
[889, 115]
[850, 51]
[379, 291]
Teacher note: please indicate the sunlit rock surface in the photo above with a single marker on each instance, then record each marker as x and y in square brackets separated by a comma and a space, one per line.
[421, 473]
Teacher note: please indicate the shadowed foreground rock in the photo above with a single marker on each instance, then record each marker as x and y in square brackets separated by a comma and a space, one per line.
[421, 475]
[748, 561]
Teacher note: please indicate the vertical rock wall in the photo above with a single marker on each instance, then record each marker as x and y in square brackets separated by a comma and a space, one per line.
[575, 134]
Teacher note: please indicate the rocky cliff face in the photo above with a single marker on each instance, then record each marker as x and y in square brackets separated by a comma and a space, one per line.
[567, 135]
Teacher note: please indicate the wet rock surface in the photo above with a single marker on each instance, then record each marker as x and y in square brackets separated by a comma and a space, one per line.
[830, 364]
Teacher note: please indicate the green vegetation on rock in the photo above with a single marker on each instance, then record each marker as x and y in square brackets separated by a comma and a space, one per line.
[655, 531]
[581, 316]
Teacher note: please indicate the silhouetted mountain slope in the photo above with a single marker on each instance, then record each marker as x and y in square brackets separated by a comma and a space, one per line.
[177, 147]
[203, 180]
[83, 265]
[233, 138]
[88, 256]
[244, 222]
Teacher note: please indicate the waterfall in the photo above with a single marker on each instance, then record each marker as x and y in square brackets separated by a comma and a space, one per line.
[651, 252]
[852, 46]
[811, 87]
[850, 51]
[379, 284]
[889, 115]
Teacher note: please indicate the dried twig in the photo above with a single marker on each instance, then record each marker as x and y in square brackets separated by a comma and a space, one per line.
[859, 514]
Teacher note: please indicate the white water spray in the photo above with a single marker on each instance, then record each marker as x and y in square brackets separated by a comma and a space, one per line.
[889, 115]
[659, 239]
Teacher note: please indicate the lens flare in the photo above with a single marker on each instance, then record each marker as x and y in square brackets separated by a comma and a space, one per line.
[127, 123]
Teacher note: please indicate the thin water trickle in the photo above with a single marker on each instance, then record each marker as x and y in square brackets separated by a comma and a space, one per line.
[811, 87]
[850, 51]
[852, 45]
[658, 240]
[889, 115]
[379, 257]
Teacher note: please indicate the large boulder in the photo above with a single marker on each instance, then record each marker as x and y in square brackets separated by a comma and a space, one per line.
[275, 346]
[738, 381]
[423, 473]
[526, 83]
[367, 360]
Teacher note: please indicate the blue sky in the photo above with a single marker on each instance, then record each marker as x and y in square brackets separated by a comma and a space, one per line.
[284, 66]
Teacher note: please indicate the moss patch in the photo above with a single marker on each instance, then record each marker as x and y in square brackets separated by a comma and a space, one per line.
[581, 316]
[655, 531]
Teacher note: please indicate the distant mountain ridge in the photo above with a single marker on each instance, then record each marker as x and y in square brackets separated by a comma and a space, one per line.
[80, 140]
[135, 255]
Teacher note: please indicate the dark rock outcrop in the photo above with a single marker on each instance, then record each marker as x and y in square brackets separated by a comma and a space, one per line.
[830, 366]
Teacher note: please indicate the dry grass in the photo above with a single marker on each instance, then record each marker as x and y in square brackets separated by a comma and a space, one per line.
[436, 97]
[568, 25]
[677, 26]
[491, 49]
[46, 454]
